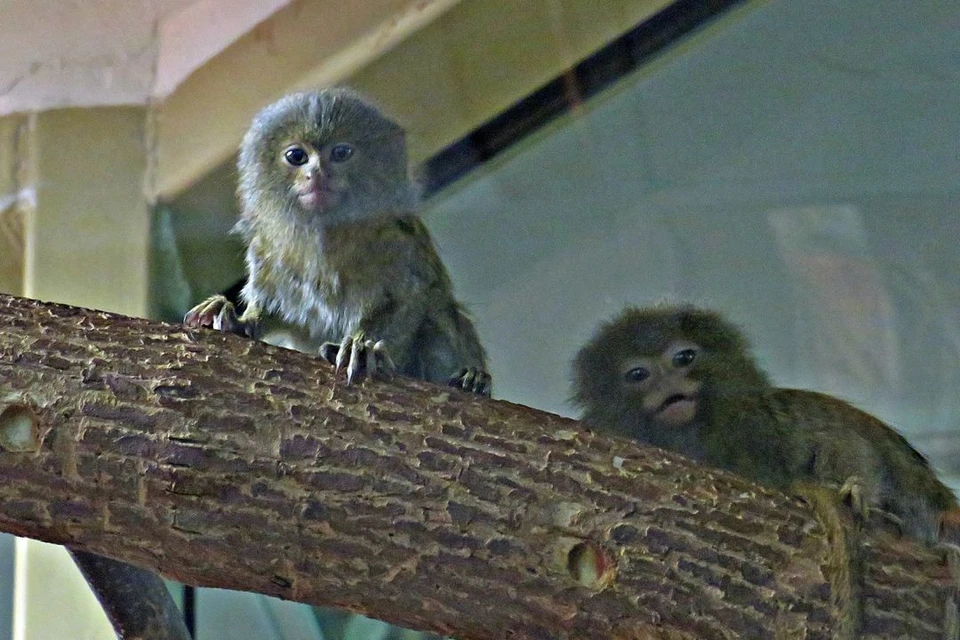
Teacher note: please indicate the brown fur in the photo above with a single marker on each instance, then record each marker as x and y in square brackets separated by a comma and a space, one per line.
[742, 422]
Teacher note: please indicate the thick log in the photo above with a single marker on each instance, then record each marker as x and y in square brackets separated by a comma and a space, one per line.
[219, 461]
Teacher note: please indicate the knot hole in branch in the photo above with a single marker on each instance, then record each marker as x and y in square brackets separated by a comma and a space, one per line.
[18, 428]
[591, 565]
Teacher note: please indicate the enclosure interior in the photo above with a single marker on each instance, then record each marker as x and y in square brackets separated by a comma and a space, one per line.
[791, 164]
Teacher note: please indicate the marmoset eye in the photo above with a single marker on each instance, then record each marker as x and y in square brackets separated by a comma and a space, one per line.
[684, 357]
[341, 152]
[295, 156]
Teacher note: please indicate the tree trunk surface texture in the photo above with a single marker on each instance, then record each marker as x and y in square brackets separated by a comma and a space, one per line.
[224, 462]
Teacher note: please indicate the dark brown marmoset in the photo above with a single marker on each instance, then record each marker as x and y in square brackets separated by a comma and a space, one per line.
[338, 263]
[684, 379]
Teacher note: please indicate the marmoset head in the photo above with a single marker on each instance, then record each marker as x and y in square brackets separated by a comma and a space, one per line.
[327, 157]
[653, 373]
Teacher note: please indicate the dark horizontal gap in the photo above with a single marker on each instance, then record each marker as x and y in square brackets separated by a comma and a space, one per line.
[567, 91]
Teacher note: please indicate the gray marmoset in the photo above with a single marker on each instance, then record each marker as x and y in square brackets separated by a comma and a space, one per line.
[684, 379]
[338, 263]
[335, 252]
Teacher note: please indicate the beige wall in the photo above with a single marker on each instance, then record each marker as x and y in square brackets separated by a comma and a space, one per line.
[87, 237]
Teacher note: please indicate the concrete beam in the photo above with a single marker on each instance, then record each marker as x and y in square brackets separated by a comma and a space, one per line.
[441, 67]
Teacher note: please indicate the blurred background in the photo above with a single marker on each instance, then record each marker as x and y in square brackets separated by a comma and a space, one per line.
[792, 164]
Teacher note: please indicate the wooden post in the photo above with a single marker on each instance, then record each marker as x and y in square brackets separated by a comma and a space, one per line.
[83, 221]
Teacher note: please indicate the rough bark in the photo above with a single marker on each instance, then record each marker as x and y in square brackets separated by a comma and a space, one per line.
[219, 461]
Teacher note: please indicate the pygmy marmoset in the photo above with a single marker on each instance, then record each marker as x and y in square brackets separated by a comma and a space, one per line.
[684, 379]
[337, 260]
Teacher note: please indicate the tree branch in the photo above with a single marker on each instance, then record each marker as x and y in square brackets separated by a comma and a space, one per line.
[223, 462]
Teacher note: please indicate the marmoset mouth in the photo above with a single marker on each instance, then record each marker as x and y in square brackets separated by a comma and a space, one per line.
[675, 398]
[318, 197]
[677, 409]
